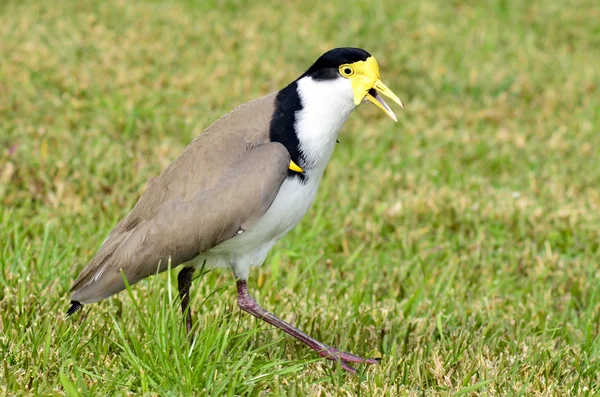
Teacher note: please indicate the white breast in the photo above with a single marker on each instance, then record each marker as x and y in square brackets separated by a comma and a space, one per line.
[250, 247]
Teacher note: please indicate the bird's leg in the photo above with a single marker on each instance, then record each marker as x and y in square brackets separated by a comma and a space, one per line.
[184, 282]
[248, 304]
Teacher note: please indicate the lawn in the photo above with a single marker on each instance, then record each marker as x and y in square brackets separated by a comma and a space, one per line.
[461, 244]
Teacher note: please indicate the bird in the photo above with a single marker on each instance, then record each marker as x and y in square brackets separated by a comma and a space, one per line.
[237, 188]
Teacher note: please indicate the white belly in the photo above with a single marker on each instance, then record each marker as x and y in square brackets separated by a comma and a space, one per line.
[250, 248]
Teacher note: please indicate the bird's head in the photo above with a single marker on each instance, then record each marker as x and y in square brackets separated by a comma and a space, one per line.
[360, 72]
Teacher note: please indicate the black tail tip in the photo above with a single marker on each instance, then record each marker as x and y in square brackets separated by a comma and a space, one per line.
[75, 305]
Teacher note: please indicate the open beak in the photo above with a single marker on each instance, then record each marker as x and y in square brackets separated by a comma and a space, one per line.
[373, 97]
[367, 85]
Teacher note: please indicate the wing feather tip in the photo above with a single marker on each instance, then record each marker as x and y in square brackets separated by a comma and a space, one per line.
[75, 306]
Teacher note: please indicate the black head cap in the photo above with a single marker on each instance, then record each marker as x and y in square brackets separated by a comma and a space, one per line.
[326, 67]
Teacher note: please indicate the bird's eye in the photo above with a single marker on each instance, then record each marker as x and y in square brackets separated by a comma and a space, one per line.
[346, 70]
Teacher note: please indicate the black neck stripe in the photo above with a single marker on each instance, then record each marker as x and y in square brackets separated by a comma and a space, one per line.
[282, 128]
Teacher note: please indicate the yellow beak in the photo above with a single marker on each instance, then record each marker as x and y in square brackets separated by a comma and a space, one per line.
[367, 84]
[373, 97]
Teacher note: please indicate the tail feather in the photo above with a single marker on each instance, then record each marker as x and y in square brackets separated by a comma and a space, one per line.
[75, 305]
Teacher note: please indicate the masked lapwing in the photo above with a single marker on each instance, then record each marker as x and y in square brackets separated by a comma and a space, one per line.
[238, 188]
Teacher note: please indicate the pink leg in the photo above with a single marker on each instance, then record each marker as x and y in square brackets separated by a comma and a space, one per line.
[248, 304]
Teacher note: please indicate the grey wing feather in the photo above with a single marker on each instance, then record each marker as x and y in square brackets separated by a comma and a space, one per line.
[193, 205]
[179, 225]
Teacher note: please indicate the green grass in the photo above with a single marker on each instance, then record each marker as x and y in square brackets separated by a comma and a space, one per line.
[461, 244]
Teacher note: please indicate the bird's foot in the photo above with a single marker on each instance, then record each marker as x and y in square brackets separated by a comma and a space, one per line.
[345, 359]
[248, 304]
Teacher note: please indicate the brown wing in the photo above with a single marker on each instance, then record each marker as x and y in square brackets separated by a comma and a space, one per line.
[223, 181]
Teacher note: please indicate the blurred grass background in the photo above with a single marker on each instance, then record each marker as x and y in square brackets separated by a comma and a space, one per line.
[461, 244]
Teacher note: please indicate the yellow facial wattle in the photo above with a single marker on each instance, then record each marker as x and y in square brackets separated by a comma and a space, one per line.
[364, 76]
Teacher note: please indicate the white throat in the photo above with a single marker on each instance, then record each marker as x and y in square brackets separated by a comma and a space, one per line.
[326, 105]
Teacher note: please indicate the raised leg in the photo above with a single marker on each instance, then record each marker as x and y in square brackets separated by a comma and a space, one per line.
[248, 304]
[184, 282]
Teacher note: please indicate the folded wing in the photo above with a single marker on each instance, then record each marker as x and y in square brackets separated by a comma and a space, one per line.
[202, 199]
